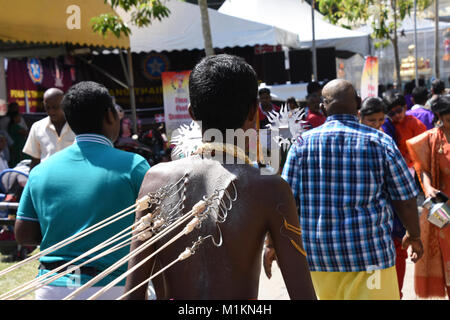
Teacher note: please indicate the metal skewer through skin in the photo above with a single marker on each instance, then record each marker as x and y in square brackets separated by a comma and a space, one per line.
[125, 259]
[189, 227]
[203, 209]
[73, 238]
[148, 217]
[36, 283]
[141, 204]
[183, 255]
[47, 278]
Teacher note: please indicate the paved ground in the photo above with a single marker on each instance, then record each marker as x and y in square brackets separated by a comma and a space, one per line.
[275, 289]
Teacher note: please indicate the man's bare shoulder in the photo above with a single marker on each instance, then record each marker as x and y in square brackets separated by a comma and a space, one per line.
[162, 174]
[252, 179]
[275, 187]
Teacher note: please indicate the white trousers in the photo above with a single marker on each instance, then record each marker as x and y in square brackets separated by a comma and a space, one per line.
[58, 293]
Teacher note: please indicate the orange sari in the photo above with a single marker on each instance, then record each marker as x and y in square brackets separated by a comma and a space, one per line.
[430, 152]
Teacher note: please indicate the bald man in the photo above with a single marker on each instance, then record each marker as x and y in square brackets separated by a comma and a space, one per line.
[51, 134]
[345, 176]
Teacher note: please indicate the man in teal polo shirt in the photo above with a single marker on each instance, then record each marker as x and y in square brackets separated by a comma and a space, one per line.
[79, 187]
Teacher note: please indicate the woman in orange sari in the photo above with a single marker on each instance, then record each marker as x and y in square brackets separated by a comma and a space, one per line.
[430, 152]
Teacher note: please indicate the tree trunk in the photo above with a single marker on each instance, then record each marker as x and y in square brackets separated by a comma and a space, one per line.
[397, 63]
[394, 41]
[209, 51]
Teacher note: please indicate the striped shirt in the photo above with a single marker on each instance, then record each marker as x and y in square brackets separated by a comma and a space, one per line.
[342, 176]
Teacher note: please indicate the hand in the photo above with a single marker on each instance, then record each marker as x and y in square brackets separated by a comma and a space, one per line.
[431, 192]
[416, 245]
[269, 257]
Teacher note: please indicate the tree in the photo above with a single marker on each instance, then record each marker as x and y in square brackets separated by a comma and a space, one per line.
[209, 51]
[384, 16]
[143, 12]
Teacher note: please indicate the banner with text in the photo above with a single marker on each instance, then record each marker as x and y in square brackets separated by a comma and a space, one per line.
[176, 100]
[369, 79]
[29, 78]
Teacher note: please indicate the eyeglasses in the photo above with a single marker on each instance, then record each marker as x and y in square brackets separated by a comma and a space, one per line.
[394, 112]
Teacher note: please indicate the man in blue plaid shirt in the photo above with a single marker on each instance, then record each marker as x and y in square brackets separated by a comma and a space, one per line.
[345, 177]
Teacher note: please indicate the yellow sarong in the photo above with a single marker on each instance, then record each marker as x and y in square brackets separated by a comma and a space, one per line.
[363, 285]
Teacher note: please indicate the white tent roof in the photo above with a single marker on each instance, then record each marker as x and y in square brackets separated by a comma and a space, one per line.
[407, 25]
[295, 16]
[182, 30]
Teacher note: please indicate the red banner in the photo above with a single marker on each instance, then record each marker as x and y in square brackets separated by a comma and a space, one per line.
[29, 78]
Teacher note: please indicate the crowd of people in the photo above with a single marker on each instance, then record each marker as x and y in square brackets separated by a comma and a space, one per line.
[343, 211]
[415, 120]
[52, 133]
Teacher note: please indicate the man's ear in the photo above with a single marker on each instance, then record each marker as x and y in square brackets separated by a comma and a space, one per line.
[252, 111]
[323, 108]
[191, 113]
[110, 116]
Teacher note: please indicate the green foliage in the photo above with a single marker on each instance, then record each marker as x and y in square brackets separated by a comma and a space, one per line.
[384, 16]
[142, 13]
[109, 22]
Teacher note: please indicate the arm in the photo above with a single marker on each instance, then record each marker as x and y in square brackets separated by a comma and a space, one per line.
[407, 212]
[292, 263]
[402, 190]
[27, 232]
[32, 147]
[27, 229]
[429, 190]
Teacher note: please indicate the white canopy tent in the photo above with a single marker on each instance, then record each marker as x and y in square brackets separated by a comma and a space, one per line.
[182, 30]
[295, 16]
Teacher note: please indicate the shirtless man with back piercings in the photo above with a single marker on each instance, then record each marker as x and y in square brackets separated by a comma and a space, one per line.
[227, 265]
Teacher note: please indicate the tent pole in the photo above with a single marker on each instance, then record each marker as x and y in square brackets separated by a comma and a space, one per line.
[103, 72]
[314, 54]
[124, 68]
[416, 71]
[3, 94]
[436, 40]
[132, 94]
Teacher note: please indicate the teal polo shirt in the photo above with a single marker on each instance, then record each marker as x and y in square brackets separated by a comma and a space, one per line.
[77, 188]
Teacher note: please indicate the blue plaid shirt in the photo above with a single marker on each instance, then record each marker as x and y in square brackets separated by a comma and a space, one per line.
[342, 176]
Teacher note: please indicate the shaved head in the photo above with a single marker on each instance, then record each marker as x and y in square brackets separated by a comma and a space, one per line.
[340, 97]
[53, 93]
[52, 105]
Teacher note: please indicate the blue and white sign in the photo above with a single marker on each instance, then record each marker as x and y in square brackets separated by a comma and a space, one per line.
[35, 70]
[154, 65]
